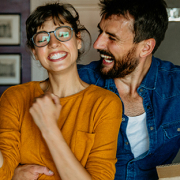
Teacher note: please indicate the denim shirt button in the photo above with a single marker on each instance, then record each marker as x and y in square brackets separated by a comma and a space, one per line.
[127, 143]
[148, 107]
[123, 119]
[151, 128]
[141, 90]
[178, 129]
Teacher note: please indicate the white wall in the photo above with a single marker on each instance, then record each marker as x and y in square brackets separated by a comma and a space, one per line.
[170, 48]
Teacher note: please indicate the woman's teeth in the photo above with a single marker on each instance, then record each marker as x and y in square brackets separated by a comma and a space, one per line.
[57, 56]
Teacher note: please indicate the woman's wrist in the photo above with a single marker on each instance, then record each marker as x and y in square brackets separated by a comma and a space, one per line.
[50, 134]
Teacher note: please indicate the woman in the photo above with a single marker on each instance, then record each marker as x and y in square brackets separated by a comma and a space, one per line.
[62, 123]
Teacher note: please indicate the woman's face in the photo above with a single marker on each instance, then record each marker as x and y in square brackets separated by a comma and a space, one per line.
[57, 56]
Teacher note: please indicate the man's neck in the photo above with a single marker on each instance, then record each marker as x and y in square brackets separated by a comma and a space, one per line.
[131, 82]
[127, 88]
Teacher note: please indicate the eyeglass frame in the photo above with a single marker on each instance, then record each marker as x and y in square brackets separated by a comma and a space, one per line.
[54, 35]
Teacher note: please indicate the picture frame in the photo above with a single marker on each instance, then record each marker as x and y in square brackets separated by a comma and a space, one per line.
[10, 69]
[173, 14]
[10, 29]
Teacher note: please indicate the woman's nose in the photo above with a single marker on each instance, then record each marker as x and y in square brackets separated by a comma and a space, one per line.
[54, 42]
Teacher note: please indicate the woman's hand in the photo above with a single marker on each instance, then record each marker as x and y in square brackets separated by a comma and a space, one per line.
[46, 111]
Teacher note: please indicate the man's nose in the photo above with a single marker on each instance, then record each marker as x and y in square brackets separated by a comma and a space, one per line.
[101, 42]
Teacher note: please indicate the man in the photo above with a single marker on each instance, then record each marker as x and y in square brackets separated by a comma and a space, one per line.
[130, 31]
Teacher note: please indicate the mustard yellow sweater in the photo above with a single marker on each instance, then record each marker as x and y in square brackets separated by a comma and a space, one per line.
[89, 122]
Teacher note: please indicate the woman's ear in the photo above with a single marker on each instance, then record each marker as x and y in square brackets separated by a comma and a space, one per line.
[79, 41]
[34, 53]
[147, 47]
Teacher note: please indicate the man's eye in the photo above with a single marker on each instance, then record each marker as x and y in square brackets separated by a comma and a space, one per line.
[111, 38]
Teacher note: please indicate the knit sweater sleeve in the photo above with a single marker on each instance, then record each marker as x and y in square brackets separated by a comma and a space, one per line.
[9, 133]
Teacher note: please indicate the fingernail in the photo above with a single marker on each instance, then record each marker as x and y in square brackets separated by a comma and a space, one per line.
[50, 172]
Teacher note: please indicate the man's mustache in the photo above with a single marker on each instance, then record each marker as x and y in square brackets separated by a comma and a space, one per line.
[105, 53]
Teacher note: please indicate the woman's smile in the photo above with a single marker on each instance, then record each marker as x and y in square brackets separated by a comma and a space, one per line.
[56, 56]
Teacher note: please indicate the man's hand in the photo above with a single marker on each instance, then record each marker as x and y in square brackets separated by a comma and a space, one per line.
[30, 172]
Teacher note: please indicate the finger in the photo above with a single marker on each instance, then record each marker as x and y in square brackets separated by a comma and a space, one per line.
[33, 113]
[34, 110]
[37, 98]
[43, 170]
[41, 98]
[55, 99]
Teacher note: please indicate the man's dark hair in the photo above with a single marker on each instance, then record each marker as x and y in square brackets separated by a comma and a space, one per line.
[150, 17]
[60, 13]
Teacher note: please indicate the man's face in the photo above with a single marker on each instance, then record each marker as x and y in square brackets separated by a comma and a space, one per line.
[115, 44]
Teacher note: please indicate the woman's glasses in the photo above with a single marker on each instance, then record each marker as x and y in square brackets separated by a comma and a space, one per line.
[42, 38]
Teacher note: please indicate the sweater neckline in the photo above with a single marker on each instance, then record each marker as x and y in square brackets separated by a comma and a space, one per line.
[68, 97]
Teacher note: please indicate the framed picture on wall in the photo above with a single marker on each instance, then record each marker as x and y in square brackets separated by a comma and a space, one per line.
[10, 69]
[10, 29]
[173, 14]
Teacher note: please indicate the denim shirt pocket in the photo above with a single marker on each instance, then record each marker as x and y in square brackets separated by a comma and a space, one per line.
[172, 130]
[83, 145]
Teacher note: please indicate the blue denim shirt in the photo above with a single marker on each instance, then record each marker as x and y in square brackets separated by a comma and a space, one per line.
[160, 90]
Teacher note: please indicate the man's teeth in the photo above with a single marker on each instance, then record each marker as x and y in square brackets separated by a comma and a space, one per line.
[108, 59]
[57, 56]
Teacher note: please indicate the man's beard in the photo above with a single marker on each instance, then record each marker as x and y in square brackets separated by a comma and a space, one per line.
[121, 67]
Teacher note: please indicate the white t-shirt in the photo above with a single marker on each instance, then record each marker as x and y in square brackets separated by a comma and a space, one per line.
[137, 134]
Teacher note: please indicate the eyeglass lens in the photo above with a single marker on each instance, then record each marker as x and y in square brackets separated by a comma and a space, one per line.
[62, 33]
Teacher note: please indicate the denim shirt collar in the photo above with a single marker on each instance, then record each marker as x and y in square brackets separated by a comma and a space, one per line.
[109, 83]
[150, 80]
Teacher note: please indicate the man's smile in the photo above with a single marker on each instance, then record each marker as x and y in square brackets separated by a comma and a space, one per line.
[106, 59]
